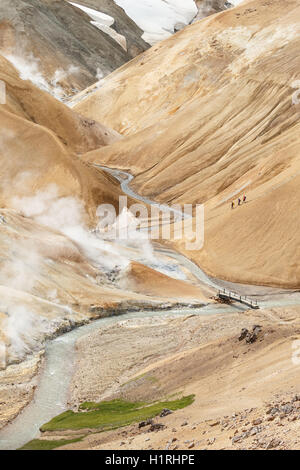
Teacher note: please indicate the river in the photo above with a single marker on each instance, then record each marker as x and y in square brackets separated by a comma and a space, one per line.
[51, 395]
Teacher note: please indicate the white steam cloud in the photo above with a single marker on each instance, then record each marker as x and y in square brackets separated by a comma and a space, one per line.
[67, 215]
[28, 67]
[23, 268]
[22, 328]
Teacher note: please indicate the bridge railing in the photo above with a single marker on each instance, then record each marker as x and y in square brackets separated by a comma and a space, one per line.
[227, 294]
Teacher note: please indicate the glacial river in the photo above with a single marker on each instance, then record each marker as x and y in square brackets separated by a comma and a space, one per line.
[51, 395]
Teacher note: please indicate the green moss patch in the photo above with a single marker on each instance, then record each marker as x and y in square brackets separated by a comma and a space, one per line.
[112, 414]
[39, 444]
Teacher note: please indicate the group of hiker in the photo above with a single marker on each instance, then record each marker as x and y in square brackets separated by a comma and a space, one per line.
[239, 203]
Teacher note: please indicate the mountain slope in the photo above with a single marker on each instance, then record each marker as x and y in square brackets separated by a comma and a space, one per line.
[76, 50]
[217, 121]
[123, 25]
[159, 18]
[26, 101]
[55, 272]
[39, 138]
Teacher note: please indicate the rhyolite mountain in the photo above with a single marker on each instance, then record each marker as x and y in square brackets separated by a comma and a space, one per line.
[217, 122]
[122, 24]
[32, 30]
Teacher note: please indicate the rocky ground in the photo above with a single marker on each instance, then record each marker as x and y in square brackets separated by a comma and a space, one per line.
[274, 426]
[242, 369]
[17, 385]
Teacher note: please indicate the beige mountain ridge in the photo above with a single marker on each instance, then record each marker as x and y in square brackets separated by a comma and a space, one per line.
[208, 117]
[204, 117]
[46, 275]
[40, 144]
[51, 134]
[76, 50]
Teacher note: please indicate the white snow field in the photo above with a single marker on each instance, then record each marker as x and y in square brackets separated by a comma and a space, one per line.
[159, 17]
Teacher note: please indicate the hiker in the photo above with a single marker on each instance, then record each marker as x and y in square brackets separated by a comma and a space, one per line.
[244, 199]
[232, 205]
[239, 201]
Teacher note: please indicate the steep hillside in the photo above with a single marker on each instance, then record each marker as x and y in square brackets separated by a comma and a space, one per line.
[76, 50]
[156, 19]
[28, 102]
[211, 119]
[55, 272]
[122, 24]
[39, 138]
[52, 280]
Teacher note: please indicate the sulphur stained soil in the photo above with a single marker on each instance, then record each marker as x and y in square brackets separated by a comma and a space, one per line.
[147, 360]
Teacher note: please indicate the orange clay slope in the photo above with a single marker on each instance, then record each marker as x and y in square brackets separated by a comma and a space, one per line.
[54, 272]
[211, 114]
[39, 140]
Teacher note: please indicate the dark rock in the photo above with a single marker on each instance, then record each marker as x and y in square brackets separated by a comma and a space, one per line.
[58, 29]
[250, 336]
[215, 423]
[255, 430]
[148, 422]
[273, 411]
[123, 24]
[243, 334]
[156, 427]
[179, 27]
[256, 328]
[270, 418]
[165, 412]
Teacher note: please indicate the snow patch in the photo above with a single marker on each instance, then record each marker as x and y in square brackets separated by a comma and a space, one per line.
[95, 15]
[158, 18]
[104, 23]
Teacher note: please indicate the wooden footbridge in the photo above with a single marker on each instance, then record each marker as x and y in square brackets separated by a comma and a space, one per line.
[228, 295]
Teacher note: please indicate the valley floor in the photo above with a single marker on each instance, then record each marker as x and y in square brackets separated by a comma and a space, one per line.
[245, 393]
